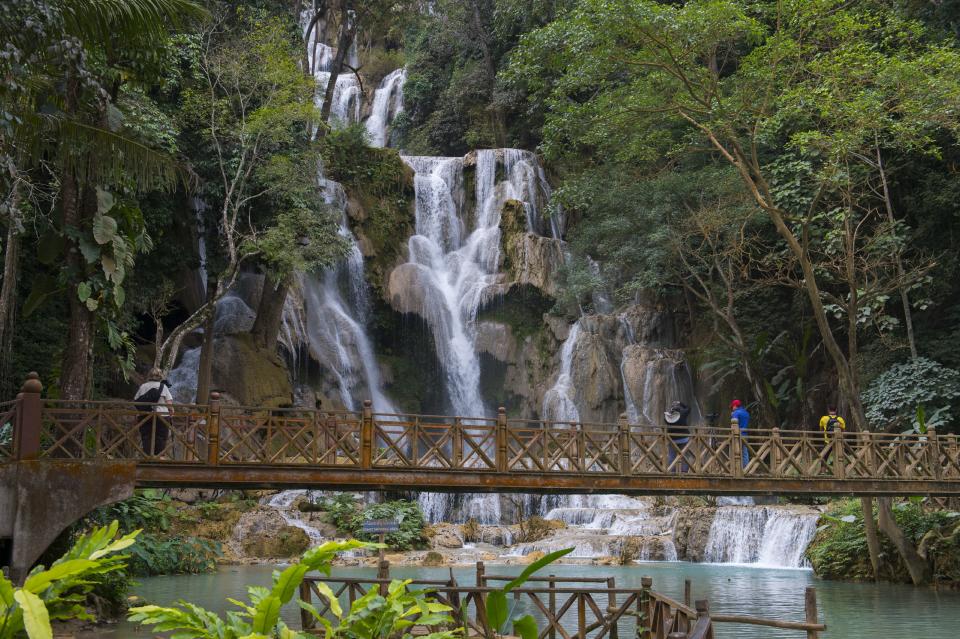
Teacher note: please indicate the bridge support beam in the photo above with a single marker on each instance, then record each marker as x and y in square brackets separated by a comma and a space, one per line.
[40, 499]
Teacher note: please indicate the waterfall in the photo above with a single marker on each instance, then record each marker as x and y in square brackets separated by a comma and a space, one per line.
[558, 402]
[768, 536]
[387, 103]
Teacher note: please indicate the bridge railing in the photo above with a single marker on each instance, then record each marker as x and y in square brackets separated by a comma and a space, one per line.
[211, 434]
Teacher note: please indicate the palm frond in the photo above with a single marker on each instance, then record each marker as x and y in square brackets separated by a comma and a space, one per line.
[102, 20]
[100, 156]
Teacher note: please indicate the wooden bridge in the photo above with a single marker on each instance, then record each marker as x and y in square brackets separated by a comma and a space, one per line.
[250, 447]
[567, 607]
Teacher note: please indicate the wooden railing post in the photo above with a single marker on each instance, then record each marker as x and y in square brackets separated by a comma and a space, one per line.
[457, 443]
[366, 435]
[736, 449]
[383, 572]
[775, 453]
[29, 421]
[646, 607]
[623, 427]
[810, 607]
[933, 454]
[839, 454]
[612, 607]
[501, 439]
[552, 605]
[306, 619]
[866, 440]
[213, 429]
[581, 615]
[481, 580]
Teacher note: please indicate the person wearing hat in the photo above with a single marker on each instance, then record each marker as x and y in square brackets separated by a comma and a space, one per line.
[740, 417]
[676, 418]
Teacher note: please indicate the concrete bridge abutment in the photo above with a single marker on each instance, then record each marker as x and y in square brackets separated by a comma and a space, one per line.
[40, 499]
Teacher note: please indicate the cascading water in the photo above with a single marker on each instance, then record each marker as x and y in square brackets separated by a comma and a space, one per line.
[767, 536]
[558, 402]
[387, 103]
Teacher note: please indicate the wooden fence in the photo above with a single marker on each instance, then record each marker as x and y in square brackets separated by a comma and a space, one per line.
[567, 607]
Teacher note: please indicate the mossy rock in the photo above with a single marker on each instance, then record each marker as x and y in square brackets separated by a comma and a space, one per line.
[432, 558]
[288, 541]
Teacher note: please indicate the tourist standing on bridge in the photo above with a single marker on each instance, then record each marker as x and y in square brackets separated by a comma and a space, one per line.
[676, 417]
[740, 418]
[154, 395]
[829, 422]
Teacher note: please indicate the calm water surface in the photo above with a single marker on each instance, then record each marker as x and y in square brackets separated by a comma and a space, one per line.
[851, 610]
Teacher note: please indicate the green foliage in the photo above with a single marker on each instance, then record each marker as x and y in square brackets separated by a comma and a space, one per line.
[156, 551]
[348, 516]
[839, 549]
[894, 398]
[499, 611]
[59, 593]
[370, 616]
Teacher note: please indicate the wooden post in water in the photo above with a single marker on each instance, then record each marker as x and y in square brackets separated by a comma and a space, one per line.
[612, 606]
[686, 592]
[26, 434]
[810, 608]
[366, 435]
[213, 430]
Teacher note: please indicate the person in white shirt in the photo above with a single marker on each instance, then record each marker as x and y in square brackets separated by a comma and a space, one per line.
[154, 396]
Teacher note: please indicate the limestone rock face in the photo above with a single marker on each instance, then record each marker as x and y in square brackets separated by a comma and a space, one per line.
[496, 339]
[595, 371]
[444, 536]
[405, 290]
[264, 533]
[528, 258]
[654, 378]
[692, 531]
[251, 376]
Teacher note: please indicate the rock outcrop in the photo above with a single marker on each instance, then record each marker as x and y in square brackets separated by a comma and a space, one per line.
[248, 375]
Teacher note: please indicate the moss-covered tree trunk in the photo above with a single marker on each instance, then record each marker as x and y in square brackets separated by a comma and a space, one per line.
[8, 291]
[873, 539]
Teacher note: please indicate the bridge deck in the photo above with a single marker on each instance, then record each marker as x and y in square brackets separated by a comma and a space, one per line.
[214, 445]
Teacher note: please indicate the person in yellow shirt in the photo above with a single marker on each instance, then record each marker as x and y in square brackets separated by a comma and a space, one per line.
[829, 421]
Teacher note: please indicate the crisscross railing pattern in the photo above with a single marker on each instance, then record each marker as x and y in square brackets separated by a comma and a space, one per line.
[565, 607]
[482, 453]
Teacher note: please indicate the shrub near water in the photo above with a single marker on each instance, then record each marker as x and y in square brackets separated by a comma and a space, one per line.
[839, 549]
[348, 516]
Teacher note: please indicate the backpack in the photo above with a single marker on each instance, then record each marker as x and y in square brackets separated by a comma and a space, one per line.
[145, 403]
[832, 423]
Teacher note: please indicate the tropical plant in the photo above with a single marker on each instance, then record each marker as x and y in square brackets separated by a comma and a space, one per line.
[912, 395]
[376, 616]
[59, 593]
[498, 612]
[372, 615]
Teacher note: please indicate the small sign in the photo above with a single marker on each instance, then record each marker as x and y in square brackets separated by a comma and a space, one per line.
[380, 526]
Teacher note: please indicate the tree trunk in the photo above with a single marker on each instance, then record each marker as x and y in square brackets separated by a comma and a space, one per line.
[873, 539]
[266, 327]
[904, 296]
[205, 366]
[75, 366]
[917, 565]
[344, 40]
[8, 291]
